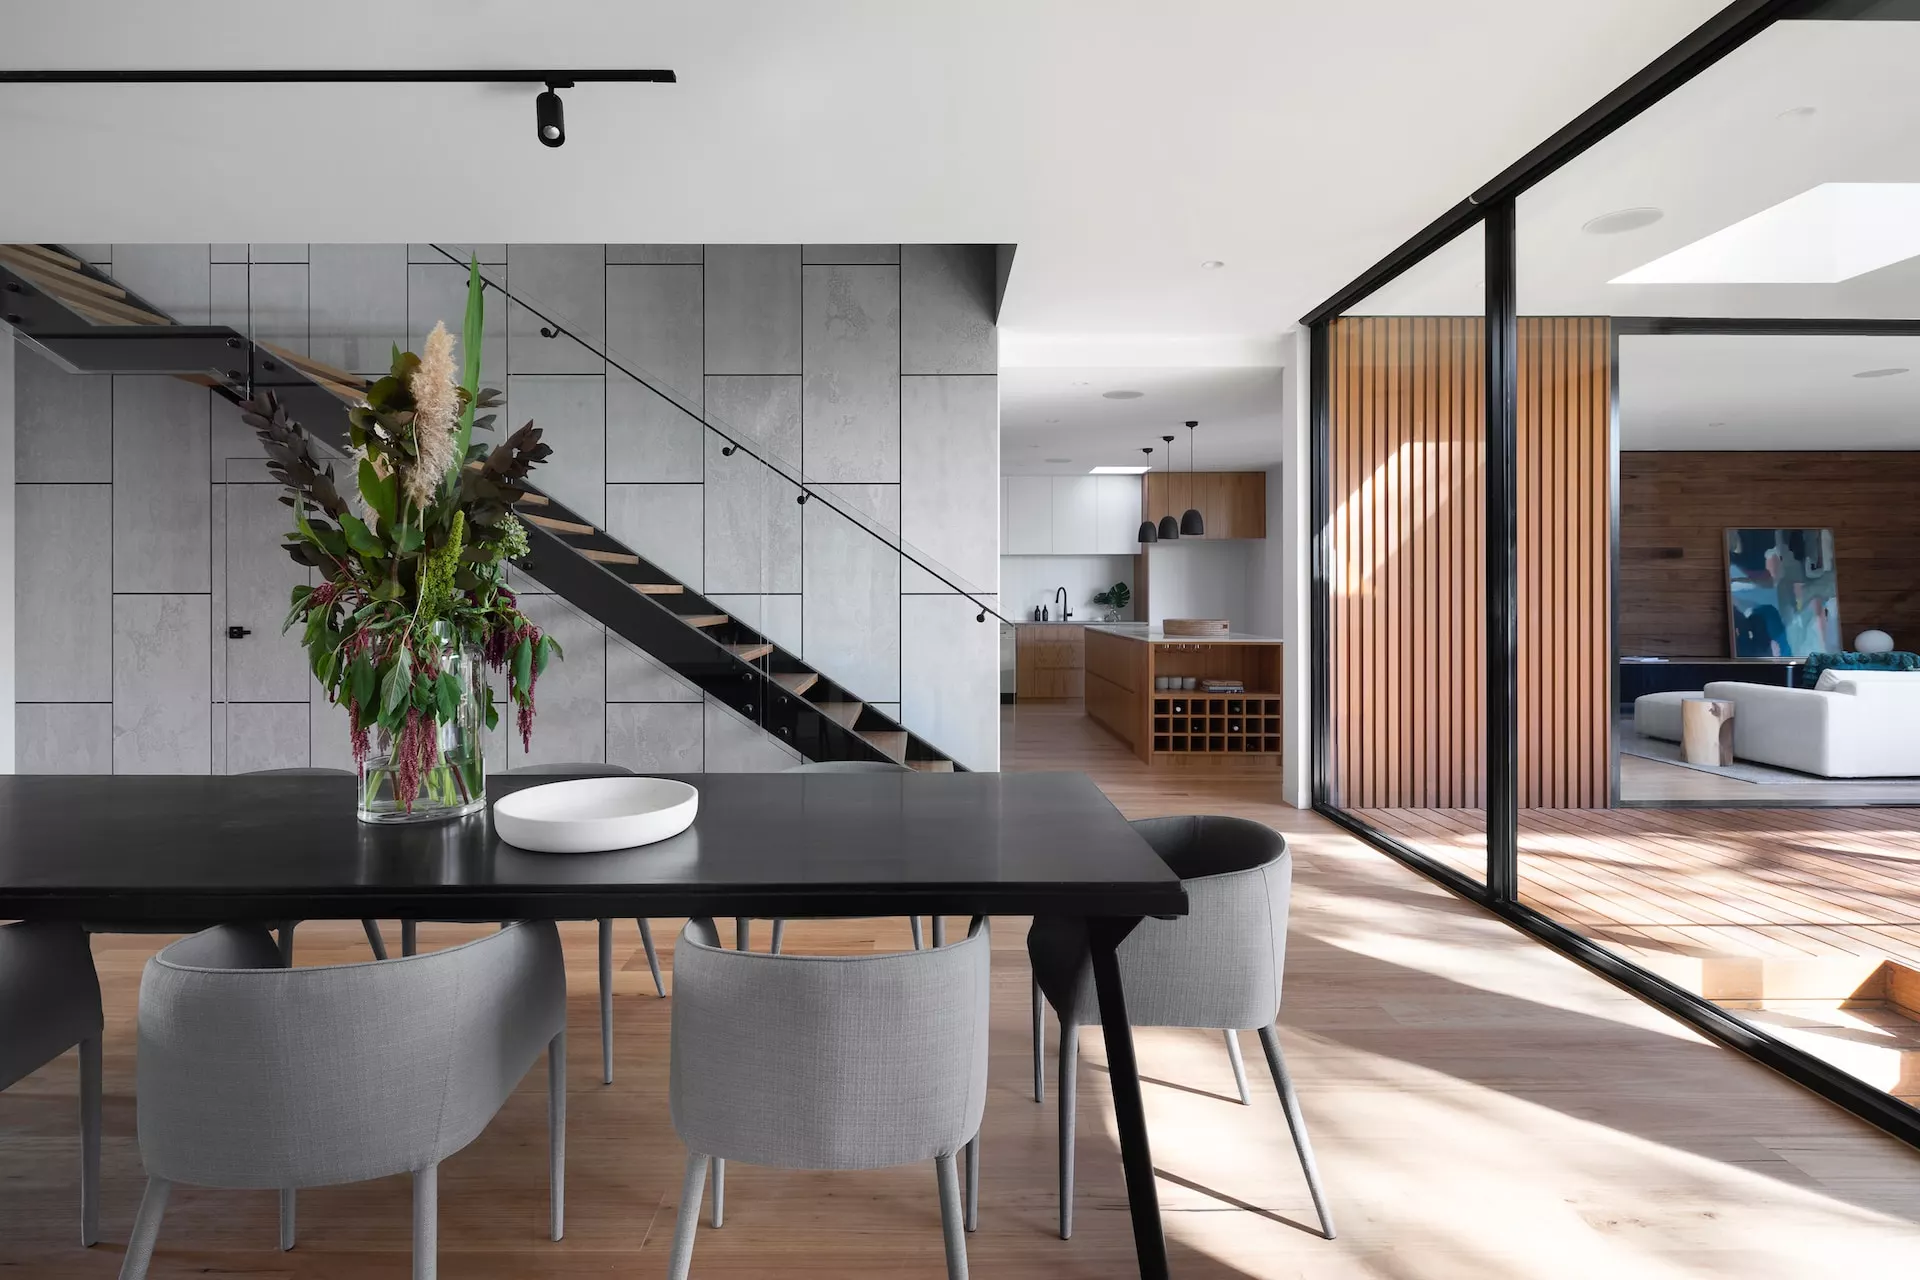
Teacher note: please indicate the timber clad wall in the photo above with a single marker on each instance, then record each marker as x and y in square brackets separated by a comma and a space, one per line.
[1408, 438]
[1675, 509]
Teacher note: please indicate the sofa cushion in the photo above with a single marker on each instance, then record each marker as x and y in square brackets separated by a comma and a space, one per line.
[1837, 679]
[1657, 715]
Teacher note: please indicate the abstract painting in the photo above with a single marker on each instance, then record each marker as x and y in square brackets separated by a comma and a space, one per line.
[1782, 595]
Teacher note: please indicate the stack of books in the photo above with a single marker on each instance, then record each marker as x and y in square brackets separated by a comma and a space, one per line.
[1223, 686]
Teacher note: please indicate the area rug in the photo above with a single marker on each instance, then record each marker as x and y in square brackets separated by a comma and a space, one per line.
[1634, 743]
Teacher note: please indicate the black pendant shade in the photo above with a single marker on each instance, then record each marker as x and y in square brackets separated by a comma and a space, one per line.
[1147, 532]
[1192, 523]
[1169, 529]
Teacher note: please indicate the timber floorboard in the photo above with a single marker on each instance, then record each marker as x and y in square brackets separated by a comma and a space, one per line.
[1481, 1108]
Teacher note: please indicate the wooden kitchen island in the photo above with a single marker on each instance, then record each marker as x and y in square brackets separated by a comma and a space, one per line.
[1122, 660]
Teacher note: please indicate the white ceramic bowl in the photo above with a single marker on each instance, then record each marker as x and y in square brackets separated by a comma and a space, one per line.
[593, 815]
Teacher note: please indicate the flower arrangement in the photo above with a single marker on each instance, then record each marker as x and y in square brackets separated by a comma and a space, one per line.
[412, 581]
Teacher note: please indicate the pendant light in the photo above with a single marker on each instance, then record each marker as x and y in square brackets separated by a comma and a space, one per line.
[1169, 527]
[1191, 522]
[1147, 532]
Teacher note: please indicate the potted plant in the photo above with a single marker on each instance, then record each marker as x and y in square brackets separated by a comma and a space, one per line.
[1115, 598]
[410, 610]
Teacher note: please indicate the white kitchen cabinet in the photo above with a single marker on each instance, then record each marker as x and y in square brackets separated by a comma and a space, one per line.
[1076, 515]
[1118, 518]
[1029, 516]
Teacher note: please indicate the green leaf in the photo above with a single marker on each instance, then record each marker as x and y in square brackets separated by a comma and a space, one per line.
[399, 683]
[522, 666]
[490, 712]
[411, 538]
[360, 538]
[549, 649]
[382, 493]
[361, 682]
[446, 696]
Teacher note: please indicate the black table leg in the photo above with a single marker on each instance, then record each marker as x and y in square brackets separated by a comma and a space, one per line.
[1149, 1241]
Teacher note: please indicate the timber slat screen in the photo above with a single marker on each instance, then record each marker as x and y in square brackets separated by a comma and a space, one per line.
[1407, 438]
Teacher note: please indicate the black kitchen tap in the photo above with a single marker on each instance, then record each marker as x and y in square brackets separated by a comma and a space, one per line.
[1060, 594]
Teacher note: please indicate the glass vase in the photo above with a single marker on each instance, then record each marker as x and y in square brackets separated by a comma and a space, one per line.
[455, 784]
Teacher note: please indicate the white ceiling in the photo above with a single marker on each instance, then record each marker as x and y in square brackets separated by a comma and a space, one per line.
[1118, 142]
[1720, 391]
[1060, 413]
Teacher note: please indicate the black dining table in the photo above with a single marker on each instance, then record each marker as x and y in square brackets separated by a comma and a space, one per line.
[138, 851]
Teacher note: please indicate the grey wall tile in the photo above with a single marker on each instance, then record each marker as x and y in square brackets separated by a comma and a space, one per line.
[359, 305]
[63, 593]
[949, 459]
[267, 735]
[571, 413]
[950, 677]
[160, 467]
[230, 295]
[276, 253]
[753, 308]
[438, 295]
[777, 617]
[633, 676]
[569, 723]
[736, 745]
[173, 277]
[100, 255]
[489, 254]
[258, 576]
[853, 374]
[654, 328]
[848, 254]
[63, 422]
[63, 737]
[654, 252]
[852, 623]
[235, 454]
[277, 305]
[752, 520]
[656, 737]
[566, 282]
[663, 523]
[946, 309]
[162, 713]
[229, 252]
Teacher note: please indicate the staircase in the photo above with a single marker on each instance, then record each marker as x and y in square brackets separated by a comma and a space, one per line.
[89, 324]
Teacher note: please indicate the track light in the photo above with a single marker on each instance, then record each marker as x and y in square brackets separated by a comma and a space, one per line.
[549, 116]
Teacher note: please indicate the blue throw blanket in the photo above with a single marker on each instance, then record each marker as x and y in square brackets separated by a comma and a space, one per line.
[1898, 660]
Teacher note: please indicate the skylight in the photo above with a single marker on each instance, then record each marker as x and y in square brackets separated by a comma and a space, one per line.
[1119, 471]
[1826, 234]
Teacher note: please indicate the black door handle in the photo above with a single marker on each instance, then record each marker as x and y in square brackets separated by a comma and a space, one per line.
[238, 633]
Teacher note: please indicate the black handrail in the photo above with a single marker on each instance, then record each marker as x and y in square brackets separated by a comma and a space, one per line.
[806, 491]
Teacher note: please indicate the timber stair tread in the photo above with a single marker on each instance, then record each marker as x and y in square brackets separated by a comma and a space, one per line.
[60, 277]
[748, 652]
[797, 682]
[556, 525]
[531, 500]
[704, 619]
[659, 588]
[891, 741]
[608, 557]
[841, 713]
[931, 766]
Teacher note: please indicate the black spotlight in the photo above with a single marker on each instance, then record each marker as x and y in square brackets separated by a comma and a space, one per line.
[550, 116]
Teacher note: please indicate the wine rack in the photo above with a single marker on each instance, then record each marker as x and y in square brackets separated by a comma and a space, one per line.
[1190, 723]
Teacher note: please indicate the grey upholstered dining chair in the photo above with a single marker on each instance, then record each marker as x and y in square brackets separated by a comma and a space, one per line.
[1218, 966]
[599, 770]
[839, 766]
[256, 1075]
[374, 938]
[826, 1062]
[50, 1002]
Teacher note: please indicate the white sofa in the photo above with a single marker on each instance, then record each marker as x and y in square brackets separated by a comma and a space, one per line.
[1852, 724]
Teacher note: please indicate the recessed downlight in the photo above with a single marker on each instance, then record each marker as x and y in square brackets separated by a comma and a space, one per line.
[1213, 264]
[1799, 113]
[1121, 395]
[1879, 373]
[1056, 459]
[1052, 421]
[1622, 220]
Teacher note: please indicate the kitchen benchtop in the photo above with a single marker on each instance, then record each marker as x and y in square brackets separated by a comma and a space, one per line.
[1154, 635]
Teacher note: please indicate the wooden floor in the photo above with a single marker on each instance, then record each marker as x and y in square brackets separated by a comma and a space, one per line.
[1645, 781]
[1482, 1109]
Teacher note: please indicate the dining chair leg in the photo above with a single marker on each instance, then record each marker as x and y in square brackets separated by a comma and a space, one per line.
[779, 932]
[681, 1256]
[719, 1192]
[426, 1222]
[409, 937]
[742, 933]
[951, 1229]
[939, 931]
[1039, 1044]
[973, 1183]
[375, 938]
[557, 1135]
[146, 1230]
[1277, 1064]
[90, 1141]
[286, 944]
[606, 1002]
[1069, 1097]
[653, 957]
[919, 943]
[1239, 1067]
[287, 1206]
